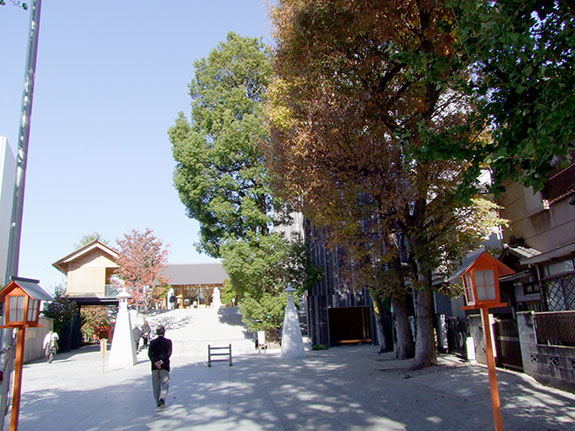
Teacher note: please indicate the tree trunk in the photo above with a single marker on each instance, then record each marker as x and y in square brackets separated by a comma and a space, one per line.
[404, 349]
[379, 323]
[380, 333]
[424, 341]
[422, 293]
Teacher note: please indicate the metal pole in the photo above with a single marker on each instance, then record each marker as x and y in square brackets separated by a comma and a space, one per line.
[21, 161]
[495, 401]
[18, 380]
[23, 138]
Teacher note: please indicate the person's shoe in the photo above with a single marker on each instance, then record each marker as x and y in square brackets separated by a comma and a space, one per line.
[161, 404]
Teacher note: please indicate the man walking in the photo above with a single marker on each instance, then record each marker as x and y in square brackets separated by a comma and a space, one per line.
[145, 332]
[50, 345]
[159, 352]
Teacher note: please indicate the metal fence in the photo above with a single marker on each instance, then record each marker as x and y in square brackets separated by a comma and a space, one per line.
[7, 355]
[555, 328]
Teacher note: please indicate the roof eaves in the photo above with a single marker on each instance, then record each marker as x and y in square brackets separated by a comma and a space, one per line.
[59, 265]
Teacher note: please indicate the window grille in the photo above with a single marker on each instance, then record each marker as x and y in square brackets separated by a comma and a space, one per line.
[560, 292]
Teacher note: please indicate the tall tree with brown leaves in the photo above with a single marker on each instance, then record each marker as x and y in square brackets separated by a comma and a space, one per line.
[361, 87]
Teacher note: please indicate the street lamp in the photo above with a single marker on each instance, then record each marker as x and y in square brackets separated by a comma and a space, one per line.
[21, 298]
[480, 273]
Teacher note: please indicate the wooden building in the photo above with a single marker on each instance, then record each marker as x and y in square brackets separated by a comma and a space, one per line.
[194, 283]
[88, 271]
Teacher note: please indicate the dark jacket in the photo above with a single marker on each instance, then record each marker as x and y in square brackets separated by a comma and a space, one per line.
[160, 348]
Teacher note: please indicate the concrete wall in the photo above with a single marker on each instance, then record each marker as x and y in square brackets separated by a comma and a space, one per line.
[550, 365]
[542, 229]
[476, 332]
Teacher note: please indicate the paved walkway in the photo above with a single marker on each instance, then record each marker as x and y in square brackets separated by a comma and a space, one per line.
[341, 389]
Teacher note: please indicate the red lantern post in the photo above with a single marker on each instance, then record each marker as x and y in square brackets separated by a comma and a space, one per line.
[480, 273]
[22, 297]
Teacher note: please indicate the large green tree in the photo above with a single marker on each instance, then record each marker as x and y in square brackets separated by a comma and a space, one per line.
[220, 175]
[362, 88]
[260, 269]
[521, 52]
[88, 238]
[222, 179]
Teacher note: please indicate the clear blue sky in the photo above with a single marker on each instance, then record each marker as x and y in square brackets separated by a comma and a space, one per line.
[110, 80]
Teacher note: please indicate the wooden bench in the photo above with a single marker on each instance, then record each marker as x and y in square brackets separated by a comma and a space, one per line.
[222, 353]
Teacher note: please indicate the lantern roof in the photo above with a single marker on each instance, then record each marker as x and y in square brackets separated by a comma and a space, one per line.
[28, 285]
[479, 258]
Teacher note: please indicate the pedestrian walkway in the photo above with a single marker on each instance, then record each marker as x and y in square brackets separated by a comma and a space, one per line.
[348, 388]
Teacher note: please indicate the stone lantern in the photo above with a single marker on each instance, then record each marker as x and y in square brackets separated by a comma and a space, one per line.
[123, 351]
[292, 341]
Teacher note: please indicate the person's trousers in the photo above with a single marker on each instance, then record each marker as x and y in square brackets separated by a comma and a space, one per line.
[160, 384]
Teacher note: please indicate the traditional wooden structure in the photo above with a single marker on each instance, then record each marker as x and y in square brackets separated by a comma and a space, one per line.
[480, 273]
[22, 298]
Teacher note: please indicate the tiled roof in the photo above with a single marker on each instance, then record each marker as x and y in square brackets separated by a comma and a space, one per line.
[522, 252]
[561, 252]
[195, 273]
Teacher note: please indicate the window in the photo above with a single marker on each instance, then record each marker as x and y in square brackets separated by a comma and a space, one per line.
[559, 267]
[32, 310]
[468, 289]
[17, 305]
[485, 283]
[529, 288]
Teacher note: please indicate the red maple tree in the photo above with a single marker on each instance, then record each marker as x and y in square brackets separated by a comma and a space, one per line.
[141, 258]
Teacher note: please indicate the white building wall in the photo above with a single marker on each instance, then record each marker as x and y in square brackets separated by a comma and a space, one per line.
[8, 180]
[296, 227]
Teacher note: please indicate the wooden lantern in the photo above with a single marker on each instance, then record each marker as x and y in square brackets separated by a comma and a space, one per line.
[480, 273]
[22, 298]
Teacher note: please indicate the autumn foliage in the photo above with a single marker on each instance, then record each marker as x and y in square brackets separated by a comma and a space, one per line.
[141, 258]
[363, 91]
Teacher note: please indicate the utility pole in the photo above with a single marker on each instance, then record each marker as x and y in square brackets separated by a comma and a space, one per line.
[18, 197]
[23, 139]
